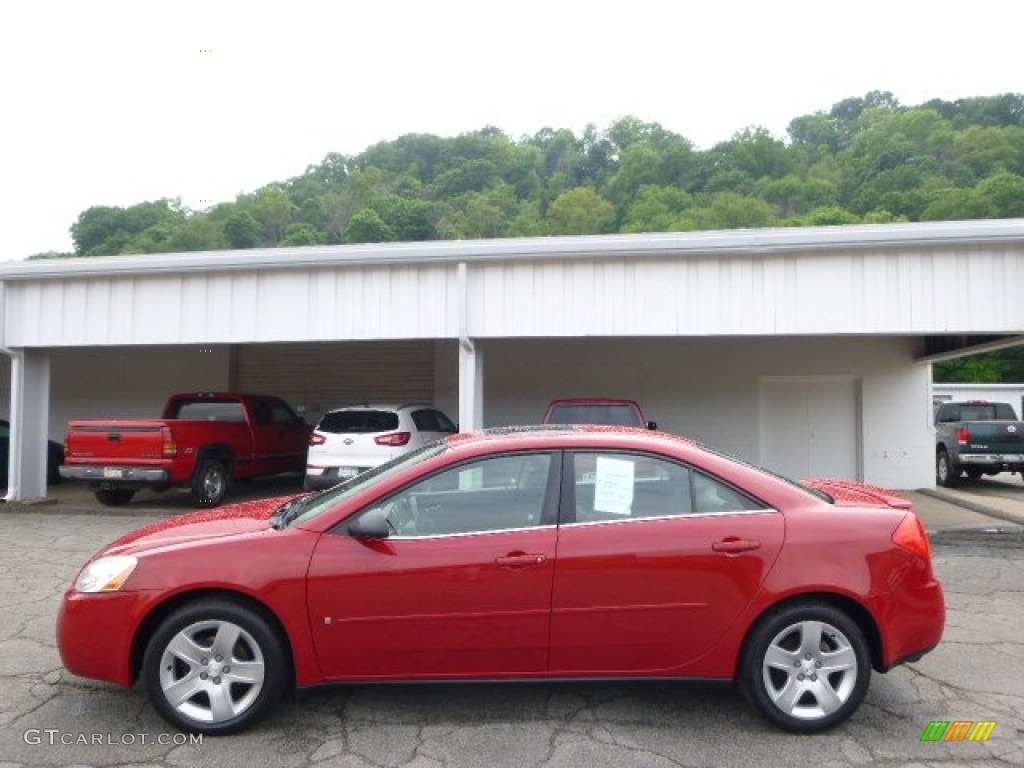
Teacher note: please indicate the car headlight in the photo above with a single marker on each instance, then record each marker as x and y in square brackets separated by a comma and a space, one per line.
[108, 574]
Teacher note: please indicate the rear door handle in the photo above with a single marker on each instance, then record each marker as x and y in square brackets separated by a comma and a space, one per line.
[520, 560]
[735, 546]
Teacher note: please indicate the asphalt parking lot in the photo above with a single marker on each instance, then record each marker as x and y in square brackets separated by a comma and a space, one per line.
[50, 718]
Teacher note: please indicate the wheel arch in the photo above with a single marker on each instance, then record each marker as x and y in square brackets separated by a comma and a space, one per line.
[218, 452]
[156, 616]
[856, 611]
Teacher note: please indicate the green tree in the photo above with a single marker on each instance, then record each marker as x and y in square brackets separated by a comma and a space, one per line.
[581, 211]
[366, 226]
[241, 230]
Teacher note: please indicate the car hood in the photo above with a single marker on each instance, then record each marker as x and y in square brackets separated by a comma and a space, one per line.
[847, 493]
[208, 524]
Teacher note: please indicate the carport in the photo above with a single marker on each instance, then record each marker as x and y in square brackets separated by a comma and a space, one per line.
[805, 350]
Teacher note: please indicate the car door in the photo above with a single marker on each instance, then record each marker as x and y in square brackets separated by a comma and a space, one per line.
[280, 437]
[655, 561]
[462, 586]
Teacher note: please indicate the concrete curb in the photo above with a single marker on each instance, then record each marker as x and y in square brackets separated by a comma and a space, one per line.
[981, 509]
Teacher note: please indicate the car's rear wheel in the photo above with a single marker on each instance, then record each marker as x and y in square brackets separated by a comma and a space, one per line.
[974, 473]
[806, 667]
[114, 497]
[214, 666]
[945, 475]
[210, 483]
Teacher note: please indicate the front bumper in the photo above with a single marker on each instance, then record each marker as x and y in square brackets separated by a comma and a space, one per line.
[95, 633]
[115, 476]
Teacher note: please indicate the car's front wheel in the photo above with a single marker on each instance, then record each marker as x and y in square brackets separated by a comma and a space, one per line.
[806, 667]
[214, 666]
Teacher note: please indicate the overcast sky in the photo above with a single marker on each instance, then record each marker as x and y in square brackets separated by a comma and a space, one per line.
[113, 102]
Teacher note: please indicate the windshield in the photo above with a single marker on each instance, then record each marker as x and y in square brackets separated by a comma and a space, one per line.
[308, 507]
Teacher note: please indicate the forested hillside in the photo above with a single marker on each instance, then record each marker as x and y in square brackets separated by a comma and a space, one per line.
[866, 159]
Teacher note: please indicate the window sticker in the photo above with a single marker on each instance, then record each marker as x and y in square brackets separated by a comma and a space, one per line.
[613, 487]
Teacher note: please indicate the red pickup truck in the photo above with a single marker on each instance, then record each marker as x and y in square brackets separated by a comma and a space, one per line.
[203, 441]
[597, 410]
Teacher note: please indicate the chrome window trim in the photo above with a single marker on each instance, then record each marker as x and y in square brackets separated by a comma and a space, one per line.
[628, 519]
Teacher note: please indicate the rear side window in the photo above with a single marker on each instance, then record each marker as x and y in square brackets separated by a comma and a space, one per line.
[621, 486]
[358, 422]
[428, 420]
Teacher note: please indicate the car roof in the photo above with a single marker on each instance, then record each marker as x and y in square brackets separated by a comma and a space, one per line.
[379, 407]
[565, 435]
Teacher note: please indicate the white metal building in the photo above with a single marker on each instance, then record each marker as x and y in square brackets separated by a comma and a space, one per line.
[805, 350]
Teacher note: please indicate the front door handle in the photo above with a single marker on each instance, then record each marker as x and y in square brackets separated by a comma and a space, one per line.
[733, 546]
[520, 560]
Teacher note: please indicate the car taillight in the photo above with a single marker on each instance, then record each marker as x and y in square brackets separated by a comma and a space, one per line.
[963, 436]
[911, 536]
[169, 448]
[397, 438]
[317, 439]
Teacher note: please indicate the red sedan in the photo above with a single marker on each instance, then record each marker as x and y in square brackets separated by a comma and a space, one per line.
[539, 554]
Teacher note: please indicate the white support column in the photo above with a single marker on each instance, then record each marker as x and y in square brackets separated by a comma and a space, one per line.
[30, 416]
[471, 386]
[471, 361]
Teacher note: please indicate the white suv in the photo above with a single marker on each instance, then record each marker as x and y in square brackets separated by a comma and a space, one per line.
[351, 440]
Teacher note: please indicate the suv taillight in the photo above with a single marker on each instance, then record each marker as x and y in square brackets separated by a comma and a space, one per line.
[963, 436]
[317, 439]
[397, 438]
[169, 449]
[911, 536]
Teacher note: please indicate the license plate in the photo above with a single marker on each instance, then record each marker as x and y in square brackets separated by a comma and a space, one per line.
[347, 472]
[113, 474]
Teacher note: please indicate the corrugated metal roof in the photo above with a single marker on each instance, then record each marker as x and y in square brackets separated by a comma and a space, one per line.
[723, 244]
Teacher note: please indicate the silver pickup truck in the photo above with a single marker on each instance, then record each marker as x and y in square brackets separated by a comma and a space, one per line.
[977, 438]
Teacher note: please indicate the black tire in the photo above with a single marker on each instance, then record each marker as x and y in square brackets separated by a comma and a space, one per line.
[781, 669]
[974, 473]
[224, 660]
[53, 470]
[210, 483]
[946, 474]
[114, 497]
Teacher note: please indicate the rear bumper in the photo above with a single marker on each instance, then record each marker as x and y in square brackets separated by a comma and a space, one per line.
[1004, 462]
[320, 478]
[115, 476]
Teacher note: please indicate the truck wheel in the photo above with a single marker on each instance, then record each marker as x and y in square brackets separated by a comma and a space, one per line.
[114, 497]
[974, 473]
[945, 474]
[214, 666]
[210, 483]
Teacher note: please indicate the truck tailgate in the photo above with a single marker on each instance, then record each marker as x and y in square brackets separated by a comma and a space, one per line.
[995, 436]
[114, 442]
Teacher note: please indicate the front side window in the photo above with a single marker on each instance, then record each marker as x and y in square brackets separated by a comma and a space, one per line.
[622, 486]
[499, 493]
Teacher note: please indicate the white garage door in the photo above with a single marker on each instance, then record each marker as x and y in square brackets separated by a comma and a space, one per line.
[317, 377]
[810, 426]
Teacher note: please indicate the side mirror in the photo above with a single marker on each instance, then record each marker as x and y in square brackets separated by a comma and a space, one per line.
[372, 524]
[652, 425]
